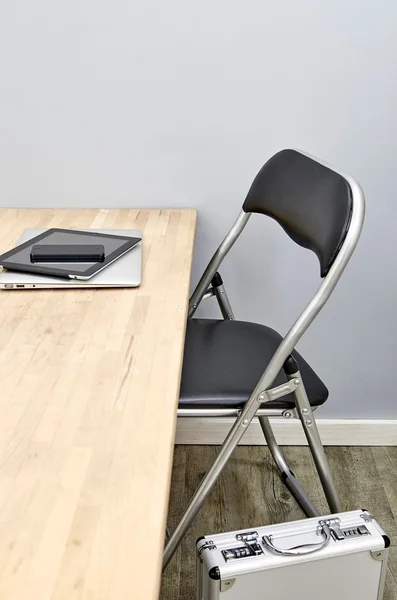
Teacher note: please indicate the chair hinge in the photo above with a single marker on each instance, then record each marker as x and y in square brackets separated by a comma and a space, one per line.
[279, 391]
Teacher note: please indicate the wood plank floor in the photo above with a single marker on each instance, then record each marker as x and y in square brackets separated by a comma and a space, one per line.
[250, 493]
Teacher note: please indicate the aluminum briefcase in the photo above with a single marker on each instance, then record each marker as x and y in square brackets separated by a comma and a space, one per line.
[342, 556]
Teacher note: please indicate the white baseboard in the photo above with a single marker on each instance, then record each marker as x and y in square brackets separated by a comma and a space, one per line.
[334, 432]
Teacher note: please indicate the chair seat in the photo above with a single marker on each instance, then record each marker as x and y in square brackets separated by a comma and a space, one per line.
[224, 360]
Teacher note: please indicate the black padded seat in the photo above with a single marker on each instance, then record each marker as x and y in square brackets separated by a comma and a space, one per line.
[224, 360]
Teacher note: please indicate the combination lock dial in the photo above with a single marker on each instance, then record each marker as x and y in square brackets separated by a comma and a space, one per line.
[251, 549]
[343, 534]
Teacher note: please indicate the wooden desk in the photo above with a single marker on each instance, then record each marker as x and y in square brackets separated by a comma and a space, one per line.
[89, 383]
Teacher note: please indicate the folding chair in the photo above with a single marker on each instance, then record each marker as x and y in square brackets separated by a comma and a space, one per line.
[246, 370]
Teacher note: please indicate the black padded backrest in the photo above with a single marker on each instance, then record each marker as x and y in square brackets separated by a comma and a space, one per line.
[312, 203]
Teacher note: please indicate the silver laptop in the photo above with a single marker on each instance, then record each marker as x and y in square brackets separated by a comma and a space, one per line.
[126, 271]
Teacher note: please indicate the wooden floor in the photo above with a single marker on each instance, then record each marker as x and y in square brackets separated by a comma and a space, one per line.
[250, 493]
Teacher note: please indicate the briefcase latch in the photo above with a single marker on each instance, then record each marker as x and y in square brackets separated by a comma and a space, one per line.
[334, 526]
[248, 536]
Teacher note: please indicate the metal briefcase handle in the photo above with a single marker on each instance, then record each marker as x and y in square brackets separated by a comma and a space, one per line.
[299, 550]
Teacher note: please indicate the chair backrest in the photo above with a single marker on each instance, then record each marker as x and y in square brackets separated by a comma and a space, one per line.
[311, 202]
[319, 207]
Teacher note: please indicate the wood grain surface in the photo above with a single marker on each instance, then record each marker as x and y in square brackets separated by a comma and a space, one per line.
[89, 392]
[250, 493]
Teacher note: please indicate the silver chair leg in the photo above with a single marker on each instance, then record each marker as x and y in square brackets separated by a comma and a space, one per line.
[228, 446]
[287, 475]
[306, 416]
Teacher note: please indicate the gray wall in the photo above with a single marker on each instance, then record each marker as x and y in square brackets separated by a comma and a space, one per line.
[179, 103]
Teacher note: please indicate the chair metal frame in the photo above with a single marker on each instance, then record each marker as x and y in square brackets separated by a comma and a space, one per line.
[263, 393]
